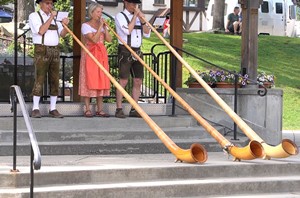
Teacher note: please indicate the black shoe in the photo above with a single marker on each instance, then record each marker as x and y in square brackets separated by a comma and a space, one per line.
[55, 114]
[134, 113]
[119, 113]
[36, 113]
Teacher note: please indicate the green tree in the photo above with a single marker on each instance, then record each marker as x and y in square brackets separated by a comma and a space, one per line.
[218, 21]
[24, 9]
[112, 47]
[66, 43]
[4, 2]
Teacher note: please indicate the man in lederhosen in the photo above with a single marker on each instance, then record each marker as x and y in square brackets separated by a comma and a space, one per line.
[45, 35]
[131, 28]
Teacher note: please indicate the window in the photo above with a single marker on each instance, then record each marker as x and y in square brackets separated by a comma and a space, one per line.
[190, 3]
[292, 14]
[279, 9]
[265, 7]
[159, 2]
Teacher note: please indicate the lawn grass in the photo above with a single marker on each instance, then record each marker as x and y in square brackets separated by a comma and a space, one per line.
[276, 55]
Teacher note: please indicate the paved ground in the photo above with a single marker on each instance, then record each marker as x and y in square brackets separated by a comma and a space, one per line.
[52, 163]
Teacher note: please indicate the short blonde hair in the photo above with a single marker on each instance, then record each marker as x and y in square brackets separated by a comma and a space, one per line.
[92, 7]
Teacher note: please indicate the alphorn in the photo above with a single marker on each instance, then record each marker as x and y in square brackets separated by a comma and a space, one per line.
[196, 153]
[251, 151]
[284, 149]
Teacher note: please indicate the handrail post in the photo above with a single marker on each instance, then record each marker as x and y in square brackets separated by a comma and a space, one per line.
[24, 60]
[173, 80]
[63, 77]
[14, 101]
[236, 79]
[155, 63]
[166, 55]
[31, 173]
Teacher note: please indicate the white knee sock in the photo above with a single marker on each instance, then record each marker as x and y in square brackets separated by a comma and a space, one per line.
[53, 100]
[36, 101]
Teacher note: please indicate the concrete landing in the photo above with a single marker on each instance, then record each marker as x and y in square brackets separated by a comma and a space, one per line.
[151, 175]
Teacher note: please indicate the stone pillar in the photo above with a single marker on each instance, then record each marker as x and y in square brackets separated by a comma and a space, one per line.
[250, 37]
[176, 37]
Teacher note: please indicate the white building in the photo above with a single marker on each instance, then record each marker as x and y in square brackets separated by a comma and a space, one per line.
[193, 14]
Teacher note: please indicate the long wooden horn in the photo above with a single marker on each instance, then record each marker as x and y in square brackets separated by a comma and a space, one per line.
[284, 149]
[251, 151]
[196, 153]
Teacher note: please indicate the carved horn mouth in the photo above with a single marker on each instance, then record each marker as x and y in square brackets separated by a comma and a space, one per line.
[285, 149]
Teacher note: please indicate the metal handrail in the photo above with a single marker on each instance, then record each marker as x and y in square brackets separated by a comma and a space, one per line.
[35, 156]
[36, 151]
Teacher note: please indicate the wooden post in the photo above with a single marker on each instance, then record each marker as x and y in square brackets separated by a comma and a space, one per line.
[176, 37]
[250, 37]
[79, 7]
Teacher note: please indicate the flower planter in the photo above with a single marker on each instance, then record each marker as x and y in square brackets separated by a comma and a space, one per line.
[226, 85]
[266, 84]
[197, 85]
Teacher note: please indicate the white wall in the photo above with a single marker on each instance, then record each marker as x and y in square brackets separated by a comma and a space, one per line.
[112, 10]
[196, 24]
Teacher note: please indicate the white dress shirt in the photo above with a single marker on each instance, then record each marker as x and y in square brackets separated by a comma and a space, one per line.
[51, 38]
[86, 28]
[123, 32]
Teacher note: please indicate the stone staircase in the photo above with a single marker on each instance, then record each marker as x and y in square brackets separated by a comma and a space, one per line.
[149, 175]
[110, 157]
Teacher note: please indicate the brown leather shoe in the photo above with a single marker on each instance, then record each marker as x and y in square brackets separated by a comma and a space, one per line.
[55, 114]
[36, 113]
[120, 114]
[134, 113]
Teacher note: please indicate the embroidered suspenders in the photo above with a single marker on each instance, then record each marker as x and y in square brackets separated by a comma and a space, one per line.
[136, 27]
[51, 27]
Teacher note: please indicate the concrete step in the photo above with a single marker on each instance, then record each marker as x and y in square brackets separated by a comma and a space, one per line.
[165, 188]
[77, 109]
[150, 176]
[92, 124]
[107, 134]
[269, 195]
[106, 147]
[106, 175]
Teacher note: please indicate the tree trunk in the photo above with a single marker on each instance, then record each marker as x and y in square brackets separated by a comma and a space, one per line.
[25, 7]
[219, 7]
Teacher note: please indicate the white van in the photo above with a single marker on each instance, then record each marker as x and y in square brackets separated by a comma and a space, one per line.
[275, 17]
